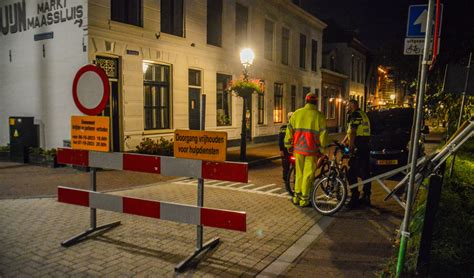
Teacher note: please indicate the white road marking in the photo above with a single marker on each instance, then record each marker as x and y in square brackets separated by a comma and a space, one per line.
[219, 183]
[232, 184]
[262, 187]
[273, 190]
[248, 185]
[235, 186]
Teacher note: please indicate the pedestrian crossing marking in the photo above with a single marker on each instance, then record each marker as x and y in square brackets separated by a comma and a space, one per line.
[248, 185]
[274, 190]
[265, 186]
[267, 189]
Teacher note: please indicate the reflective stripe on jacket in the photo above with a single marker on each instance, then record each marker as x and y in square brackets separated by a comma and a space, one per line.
[306, 131]
[358, 120]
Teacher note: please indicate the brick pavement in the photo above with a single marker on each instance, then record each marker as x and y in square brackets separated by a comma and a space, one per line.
[23, 180]
[32, 230]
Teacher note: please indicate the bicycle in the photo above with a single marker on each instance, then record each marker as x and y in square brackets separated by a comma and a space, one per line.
[330, 190]
[323, 167]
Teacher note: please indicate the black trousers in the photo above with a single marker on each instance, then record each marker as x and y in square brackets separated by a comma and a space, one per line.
[359, 168]
[285, 163]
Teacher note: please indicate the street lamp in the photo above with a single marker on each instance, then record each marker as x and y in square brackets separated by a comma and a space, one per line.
[246, 58]
[392, 97]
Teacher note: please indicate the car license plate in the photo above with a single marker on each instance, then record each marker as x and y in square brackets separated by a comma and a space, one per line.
[387, 162]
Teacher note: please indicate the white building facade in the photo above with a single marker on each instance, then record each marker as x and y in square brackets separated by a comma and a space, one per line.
[161, 55]
[42, 45]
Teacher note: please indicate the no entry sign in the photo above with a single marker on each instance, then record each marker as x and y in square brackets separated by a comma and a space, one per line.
[90, 90]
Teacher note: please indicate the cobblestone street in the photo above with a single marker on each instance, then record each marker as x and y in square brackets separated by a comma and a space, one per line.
[34, 228]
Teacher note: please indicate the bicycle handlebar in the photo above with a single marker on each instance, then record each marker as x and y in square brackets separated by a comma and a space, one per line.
[340, 147]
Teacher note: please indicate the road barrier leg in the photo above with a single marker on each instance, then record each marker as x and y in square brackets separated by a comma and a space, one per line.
[200, 248]
[93, 219]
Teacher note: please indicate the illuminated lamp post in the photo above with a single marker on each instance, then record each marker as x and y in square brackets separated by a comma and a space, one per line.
[246, 59]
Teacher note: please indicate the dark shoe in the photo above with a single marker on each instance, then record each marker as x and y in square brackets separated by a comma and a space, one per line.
[365, 200]
[354, 201]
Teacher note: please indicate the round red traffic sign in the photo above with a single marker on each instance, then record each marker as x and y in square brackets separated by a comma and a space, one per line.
[90, 90]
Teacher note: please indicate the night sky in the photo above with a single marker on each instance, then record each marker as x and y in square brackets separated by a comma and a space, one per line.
[381, 25]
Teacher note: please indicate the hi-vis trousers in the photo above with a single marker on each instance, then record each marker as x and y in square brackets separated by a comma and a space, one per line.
[305, 169]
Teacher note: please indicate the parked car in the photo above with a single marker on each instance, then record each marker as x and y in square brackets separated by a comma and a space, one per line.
[389, 139]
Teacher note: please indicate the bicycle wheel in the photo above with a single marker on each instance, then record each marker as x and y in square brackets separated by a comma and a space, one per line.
[290, 180]
[329, 195]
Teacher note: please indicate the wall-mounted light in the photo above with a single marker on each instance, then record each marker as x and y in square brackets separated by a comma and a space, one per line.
[331, 99]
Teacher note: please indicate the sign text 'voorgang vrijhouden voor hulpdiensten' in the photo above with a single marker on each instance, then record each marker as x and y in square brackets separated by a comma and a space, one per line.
[14, 17]
[202, 145]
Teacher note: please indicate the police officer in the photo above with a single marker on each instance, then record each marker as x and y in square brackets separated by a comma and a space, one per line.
[285, 154]
[358, 139]
[306, 134]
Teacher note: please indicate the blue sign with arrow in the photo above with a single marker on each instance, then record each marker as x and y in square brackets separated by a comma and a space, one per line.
[416, 25]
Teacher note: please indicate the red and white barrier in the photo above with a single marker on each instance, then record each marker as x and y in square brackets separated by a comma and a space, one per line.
[217, 218]
[164, 165]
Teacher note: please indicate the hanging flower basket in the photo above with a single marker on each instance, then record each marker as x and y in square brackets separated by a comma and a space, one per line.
[245, 88]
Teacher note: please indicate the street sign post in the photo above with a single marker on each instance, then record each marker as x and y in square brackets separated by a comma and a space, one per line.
[416, 23]
[416, 28]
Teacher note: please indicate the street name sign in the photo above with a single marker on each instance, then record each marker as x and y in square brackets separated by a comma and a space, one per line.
[90, 133]
[201, 145]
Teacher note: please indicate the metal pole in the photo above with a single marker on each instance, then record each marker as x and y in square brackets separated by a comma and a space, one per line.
[93, 176]
[414, 114]
[414, 144]
[200, 200]
[463, 102]
[243, 135]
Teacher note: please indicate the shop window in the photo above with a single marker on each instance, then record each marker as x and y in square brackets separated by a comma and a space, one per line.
[157, 96]
[224, 100]
[127, 11]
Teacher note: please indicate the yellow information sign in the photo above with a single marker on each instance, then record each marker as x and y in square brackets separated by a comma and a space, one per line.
[90, 133]
[201, 145]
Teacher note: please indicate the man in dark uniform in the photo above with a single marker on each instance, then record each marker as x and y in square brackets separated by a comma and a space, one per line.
[358, 139]
[285, 155]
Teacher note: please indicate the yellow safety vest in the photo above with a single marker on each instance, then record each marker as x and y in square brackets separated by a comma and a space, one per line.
[306, 131]
[359, 120]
